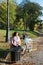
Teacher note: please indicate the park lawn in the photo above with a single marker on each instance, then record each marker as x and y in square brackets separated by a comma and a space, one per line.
[5, 45]
[31, 34]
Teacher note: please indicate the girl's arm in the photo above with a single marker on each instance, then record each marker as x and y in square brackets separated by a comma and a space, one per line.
[19, 41]
[13, 42]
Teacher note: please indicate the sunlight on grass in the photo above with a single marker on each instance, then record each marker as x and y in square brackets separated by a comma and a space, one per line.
[5, 45]
[2, 32]
[30, 33]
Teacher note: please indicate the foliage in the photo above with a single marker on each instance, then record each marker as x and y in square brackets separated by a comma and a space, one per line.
[3, 13]
[22, 16]
[29, 12]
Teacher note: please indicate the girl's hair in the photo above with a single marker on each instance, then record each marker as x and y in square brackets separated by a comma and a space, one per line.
[14, 34]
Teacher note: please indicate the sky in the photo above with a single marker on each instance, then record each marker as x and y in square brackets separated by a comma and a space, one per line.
[37, 1]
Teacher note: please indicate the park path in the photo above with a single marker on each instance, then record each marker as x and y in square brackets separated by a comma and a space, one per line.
[35, 57]
[32, 58]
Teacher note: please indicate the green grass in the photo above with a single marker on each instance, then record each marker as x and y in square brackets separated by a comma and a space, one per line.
[4, 45]
[31, 34]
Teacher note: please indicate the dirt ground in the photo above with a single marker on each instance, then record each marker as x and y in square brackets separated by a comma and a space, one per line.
[32, 58]
[35, 57]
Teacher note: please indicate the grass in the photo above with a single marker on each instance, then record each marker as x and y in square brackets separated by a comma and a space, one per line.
[4, 45]
[31, 34]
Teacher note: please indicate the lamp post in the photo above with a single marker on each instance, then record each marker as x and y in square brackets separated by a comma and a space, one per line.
[7, 25]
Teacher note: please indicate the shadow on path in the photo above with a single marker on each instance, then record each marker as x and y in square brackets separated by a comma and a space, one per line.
[7, 62]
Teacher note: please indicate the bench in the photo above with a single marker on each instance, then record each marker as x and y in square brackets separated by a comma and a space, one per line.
[10, 55]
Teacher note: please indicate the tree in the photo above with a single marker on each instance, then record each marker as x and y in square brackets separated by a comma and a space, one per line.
[29, 12]
[3, 13]
[6, 9]
[34, 12]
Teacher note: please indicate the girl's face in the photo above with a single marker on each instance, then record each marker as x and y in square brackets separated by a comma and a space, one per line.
[16, 34]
